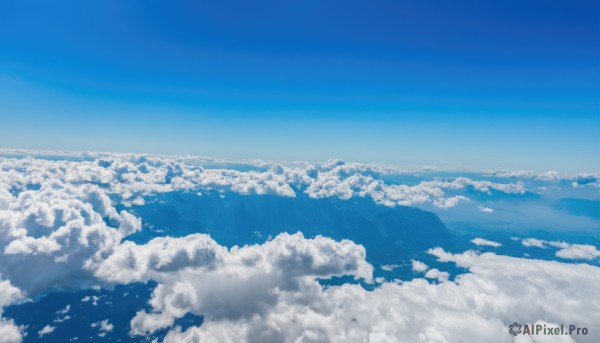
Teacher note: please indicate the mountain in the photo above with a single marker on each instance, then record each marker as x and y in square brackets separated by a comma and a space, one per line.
[234, 219]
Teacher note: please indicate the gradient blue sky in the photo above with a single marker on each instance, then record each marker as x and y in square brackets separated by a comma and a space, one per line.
[489, 84]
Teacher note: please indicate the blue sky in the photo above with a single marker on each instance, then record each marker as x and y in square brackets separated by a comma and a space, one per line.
[489, 84]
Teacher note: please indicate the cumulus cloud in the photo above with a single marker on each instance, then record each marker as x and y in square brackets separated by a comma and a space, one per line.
[55, 230]
[485, 209]
[104, 327]
[389, 267]
[132, 177]
[9, 332]
[533, 242]
[49, 231]
[480, 303]
[197, 275]
[450, 202]
[58, 219]
[485, 242]
[270, 293]
[62, 315]
[437, 274]
[9, 294]
[551, 175]
[578, 252]
[418, 266]
[567, 250]
[48, 329]
[93, 299]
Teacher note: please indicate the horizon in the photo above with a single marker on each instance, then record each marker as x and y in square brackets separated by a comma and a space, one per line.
[440, 167]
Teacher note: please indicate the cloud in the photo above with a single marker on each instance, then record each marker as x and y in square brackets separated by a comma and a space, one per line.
[48, 329]
[567, 250]
[485, 209]
[130, 262]
[419, 266]
[57, 216]
[9, 332]
[132, 177]
[60, 219]
[389, 267]
[54, 231]
[533, 242]
[104, 327]
[269, 292]
[94, 299]
[551, 175]
[64, 312]
[9, 294]
[485, 242]
[450, 202]
[228, 283]
[437, 274]
[579, 252]
[480, 303]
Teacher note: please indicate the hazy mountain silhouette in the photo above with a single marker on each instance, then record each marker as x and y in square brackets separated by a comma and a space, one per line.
[241, 219]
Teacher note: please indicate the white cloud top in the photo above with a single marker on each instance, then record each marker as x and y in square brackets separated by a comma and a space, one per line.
[9, 331]
[496, 291]
[46, 330]
[485, 209]
[58, 219]
[567, 251]
[485, 242]
[104, 327]
[419, 266]
[131, 177]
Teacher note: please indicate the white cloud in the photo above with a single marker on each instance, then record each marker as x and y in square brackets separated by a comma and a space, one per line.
[9, 331]
[104, 327]
[419, 266]
[198, 275]
[389, 267]
[579, 251]
[61, 319]
[62, 313]
[533, 242]
[46, 330]
[485, 209]
[551, 175]
[480, 304]
[9, 294]
[54, 231]
[269, 292]
[64, 310]
[437, 274]
[567, 250]
[450, 202]
[133, 177]
[5, 199]
[481, 241]
[93, 299]
[57, 218]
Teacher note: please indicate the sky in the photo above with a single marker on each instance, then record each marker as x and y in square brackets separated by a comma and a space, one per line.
[484, 84]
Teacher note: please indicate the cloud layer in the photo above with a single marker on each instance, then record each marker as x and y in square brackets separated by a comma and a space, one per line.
[60, 219]
[132, 177]
[566, 250]
[9, 331]
[496, 291]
